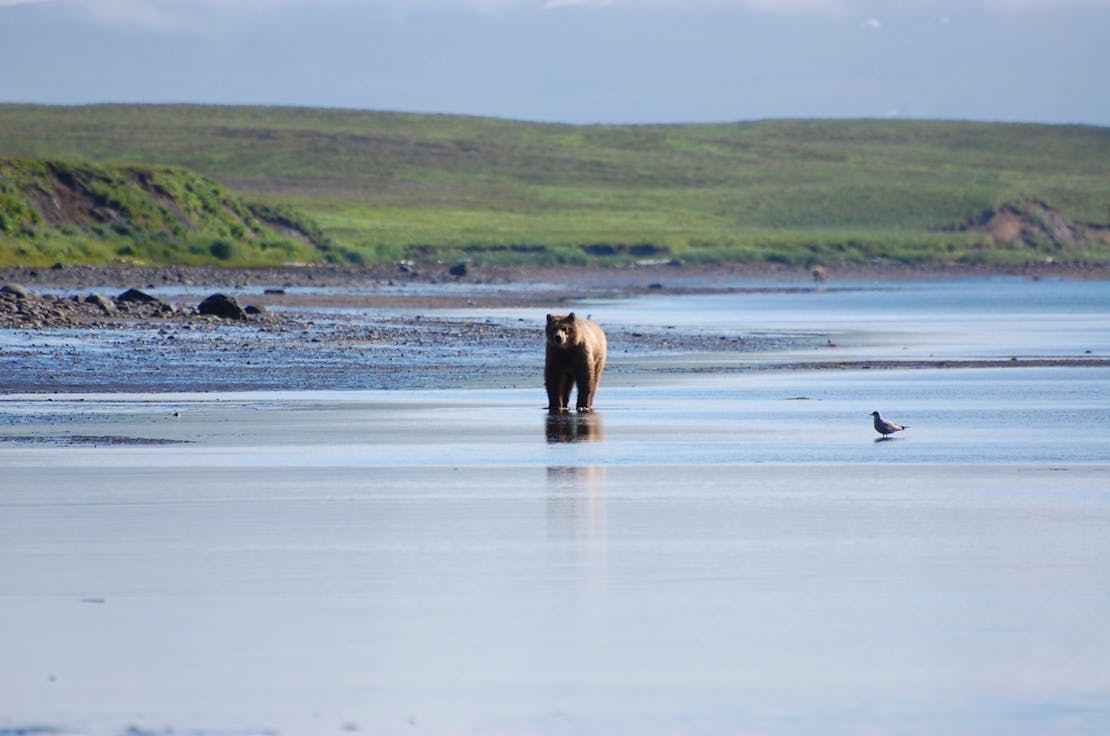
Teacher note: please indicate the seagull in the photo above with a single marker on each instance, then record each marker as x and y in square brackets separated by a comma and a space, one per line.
[885, 426]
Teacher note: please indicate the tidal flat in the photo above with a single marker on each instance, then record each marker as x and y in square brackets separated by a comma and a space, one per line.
[724, 547]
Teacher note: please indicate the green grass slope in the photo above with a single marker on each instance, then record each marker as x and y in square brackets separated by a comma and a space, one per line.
[386, 185]
[53, 210]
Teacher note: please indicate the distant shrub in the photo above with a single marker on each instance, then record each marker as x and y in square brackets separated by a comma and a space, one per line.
[352, 256]
[222, 249]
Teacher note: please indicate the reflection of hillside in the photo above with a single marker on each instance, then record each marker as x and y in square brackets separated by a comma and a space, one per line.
[573, 427]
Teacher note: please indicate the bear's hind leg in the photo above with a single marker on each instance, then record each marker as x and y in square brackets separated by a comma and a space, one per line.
[585, 393]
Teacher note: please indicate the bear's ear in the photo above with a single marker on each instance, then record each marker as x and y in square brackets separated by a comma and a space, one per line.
[550, 318]
[571, 316]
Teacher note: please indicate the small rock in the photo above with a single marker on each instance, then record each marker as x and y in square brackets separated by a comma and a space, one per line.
[106, 305]
[459, 269]
[16, 289]
[253, 310]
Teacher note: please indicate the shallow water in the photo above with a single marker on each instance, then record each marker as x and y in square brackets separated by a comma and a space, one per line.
[950, 319]
[727, 552]
[751, 326]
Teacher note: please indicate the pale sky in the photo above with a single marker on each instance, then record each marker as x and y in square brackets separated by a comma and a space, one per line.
[576, 61]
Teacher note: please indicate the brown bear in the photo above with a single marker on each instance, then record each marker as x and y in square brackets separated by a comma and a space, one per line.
[575, 355]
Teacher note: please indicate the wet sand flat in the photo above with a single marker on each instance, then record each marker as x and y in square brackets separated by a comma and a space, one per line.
[721, 554]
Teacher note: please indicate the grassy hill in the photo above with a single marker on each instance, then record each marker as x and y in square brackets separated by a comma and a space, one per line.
[52, 210]
[385, 186]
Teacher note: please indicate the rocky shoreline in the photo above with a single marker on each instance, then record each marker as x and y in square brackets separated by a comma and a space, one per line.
[79, 296]
[71, 330]
[27, 310]
[630, 275]
[97, 328]
[26, 301]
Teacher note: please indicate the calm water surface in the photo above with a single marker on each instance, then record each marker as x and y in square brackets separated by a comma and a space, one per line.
[716, 552]
[981, 318]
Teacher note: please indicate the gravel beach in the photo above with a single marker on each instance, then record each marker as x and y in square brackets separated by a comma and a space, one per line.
[118, 327]
[122, 327]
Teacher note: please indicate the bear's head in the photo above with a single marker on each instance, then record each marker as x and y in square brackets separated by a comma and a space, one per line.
[561, 330]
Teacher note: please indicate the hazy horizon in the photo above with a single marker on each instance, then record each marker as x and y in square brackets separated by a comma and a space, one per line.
[573, 61]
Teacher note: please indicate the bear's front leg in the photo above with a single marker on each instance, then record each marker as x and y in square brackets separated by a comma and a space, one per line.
[553, 397]
[557, 384]
[566, 385]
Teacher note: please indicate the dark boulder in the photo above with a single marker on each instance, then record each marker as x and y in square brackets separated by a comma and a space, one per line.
[134, 295]
[222, 306]
[459, 269]
[16, 289]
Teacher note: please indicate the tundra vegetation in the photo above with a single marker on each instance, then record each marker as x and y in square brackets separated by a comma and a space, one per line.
[252, 185]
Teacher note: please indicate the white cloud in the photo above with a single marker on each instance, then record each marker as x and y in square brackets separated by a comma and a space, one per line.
[153, 16]
[873, 24]
[556, 4]
[210, 15]
[792, 6]
[214, 16]
[1037, 5]
[769, 6]
[776, 6]
[176, 15]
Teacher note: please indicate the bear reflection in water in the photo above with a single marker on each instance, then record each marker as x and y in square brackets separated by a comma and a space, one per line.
[576, 508]
[563, 427]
